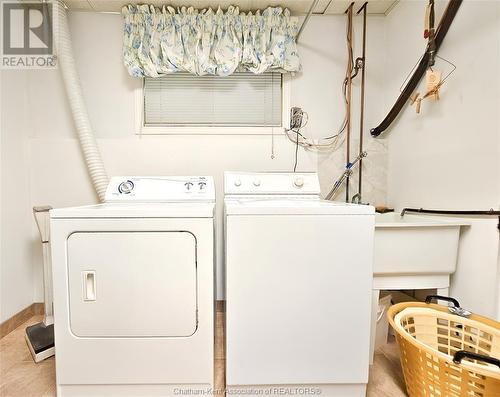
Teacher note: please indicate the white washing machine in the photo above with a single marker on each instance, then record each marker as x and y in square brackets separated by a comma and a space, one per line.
[133, 289]
[298, 287]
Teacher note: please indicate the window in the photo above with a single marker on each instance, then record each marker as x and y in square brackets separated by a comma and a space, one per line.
[238, 100]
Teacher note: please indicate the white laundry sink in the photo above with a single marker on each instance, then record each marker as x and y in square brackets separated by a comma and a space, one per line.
[415, 244]
[413, 252]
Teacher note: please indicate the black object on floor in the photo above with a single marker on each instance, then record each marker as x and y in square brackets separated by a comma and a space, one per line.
[40, 340]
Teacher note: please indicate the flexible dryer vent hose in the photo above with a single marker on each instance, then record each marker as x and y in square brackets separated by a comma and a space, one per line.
[66, 62]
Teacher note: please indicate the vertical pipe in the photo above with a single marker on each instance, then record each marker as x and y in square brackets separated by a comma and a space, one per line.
[362, 106]
[349, 94]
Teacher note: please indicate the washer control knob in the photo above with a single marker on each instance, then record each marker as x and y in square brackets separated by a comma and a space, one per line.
[256, 182]
[202, 185]
[298, 182]
[237, 182]
[188, 185]
[126, 187]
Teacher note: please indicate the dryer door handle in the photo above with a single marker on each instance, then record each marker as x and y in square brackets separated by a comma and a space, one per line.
[89, 283]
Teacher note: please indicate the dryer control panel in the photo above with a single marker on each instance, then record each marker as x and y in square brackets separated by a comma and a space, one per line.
[271, 183]
[160, 189]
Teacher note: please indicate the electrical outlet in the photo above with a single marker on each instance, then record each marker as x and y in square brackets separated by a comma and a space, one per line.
[296, 116]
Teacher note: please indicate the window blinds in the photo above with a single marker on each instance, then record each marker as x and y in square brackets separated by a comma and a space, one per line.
[241, 99]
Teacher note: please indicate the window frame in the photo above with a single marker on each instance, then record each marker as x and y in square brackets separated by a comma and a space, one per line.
[142, 129]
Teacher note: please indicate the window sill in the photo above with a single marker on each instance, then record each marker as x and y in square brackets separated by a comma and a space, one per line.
[194, 130]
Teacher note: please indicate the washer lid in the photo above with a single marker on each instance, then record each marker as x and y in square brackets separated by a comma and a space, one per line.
[137, 210]
[292, 206]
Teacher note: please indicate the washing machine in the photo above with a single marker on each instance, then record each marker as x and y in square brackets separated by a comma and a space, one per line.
[298, 287]
[134, 289]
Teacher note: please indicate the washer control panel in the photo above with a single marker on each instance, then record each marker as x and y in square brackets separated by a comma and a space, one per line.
[160, 189]
[283, 183]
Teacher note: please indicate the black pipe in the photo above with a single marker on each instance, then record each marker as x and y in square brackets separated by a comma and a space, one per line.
[349, 93]
[444, 25]
[362, 104]
[365, 4]
[490, 212]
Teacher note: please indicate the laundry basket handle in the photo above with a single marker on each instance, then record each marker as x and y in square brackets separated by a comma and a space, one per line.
[443, 298]
[461, 354]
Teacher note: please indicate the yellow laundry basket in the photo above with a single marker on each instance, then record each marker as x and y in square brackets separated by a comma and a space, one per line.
[444, 354]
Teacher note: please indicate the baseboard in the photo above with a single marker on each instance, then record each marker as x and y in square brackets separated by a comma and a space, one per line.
[38, 308]
[16, 320]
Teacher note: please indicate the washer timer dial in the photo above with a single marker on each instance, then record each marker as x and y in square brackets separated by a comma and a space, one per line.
[298, 182]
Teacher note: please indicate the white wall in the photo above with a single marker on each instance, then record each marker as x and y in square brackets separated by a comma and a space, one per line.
[446, 157]
[56, 171]
[451, 148]
[449, 155]
[16, 271]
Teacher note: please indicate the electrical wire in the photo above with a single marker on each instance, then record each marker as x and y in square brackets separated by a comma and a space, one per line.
[336, 140]
[296, 153]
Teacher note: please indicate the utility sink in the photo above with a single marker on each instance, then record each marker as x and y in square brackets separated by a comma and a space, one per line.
[415, 244]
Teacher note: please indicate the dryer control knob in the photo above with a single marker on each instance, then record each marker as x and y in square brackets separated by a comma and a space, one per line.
[256, 182]
[237, 182]
[299, 182]
[126, 187]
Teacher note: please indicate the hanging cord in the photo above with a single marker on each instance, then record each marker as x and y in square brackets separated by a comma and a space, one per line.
[334, 141]
[296, 153]
[297, 122]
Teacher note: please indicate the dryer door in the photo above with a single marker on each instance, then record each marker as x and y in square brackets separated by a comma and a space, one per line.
[132, 284]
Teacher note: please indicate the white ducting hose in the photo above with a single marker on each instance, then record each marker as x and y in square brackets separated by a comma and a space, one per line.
[67, 65]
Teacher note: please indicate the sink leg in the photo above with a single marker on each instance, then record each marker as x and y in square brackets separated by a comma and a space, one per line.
[375, 299]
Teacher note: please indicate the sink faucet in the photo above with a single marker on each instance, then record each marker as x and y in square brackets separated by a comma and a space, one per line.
[345, 175]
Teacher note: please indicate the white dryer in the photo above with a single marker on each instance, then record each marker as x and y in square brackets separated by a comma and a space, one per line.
[133, 289]
[298, 287]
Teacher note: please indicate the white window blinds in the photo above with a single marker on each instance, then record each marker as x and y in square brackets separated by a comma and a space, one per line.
[241, 99]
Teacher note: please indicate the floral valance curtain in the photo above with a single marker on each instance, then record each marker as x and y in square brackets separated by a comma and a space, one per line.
[160, 41]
